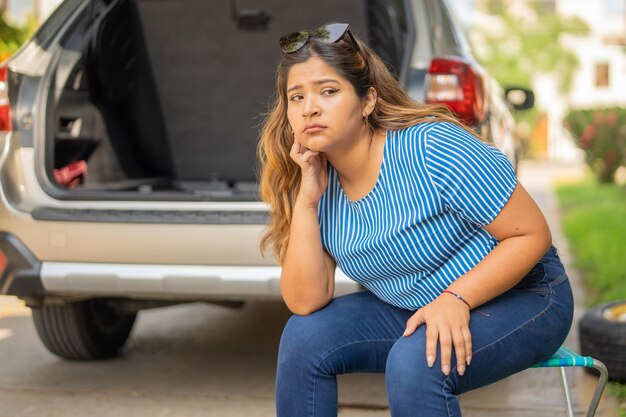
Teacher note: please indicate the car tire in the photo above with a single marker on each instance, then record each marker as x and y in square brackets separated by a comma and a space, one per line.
[89, 329]
[602, 331]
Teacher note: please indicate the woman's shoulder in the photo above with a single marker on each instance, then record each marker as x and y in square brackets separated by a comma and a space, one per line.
[424, 132]
[427, 126]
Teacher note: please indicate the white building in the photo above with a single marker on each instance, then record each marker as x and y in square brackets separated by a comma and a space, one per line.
[19, 10]
[600, 80]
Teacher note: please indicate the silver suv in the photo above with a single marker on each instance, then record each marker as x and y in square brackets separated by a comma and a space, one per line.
[128, 131]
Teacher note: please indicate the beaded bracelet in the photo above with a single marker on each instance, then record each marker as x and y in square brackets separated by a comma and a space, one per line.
[459, 297]
[466, 303]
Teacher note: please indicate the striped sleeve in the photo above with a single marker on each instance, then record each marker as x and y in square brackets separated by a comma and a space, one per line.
[474, 179]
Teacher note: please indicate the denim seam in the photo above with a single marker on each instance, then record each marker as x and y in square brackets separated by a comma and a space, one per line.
[333, 351]
[550, 284]
[536, 290]
[445, 394]
[536, 316]
[558, 281]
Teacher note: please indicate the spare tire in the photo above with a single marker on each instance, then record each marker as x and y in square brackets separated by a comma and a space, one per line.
[602, 332]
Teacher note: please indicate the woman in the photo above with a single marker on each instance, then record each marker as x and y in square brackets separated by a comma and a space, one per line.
[409, 203]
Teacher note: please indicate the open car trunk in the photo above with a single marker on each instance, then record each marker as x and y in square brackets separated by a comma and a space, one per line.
[165, 98]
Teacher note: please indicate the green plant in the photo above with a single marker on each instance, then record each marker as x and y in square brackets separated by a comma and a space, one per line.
[593, 217]
[517, 49]
[619, 392]
[12, 37]
[523, 48]
[601, 133]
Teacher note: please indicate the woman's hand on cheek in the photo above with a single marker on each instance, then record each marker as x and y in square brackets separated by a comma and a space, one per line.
[314, 173]
[447, 322]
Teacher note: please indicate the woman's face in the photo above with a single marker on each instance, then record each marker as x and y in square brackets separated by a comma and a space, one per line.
[322, 106]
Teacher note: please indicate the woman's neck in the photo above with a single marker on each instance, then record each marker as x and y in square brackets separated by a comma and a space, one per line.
[360, 160]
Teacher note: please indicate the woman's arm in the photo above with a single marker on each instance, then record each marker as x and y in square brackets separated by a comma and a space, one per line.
[307, 282]
[524, 238]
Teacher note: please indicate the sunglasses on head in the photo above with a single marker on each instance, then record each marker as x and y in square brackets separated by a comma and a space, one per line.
[328, 33]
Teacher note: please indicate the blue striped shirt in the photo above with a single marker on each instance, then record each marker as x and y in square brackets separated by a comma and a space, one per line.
[420, 228]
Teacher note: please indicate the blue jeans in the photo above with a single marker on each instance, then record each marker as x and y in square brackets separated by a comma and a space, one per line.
[360, 333]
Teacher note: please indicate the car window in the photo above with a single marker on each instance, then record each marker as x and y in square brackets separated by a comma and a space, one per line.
[442, 32]
[388, 31]
[422, 49]
[53, 23]
[458, 30]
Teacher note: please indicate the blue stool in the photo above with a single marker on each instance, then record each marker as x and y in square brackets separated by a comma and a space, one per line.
[566, 358]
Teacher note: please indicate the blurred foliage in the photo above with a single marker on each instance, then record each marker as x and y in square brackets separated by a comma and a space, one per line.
[12, 37]
[601, 133]
[619, 392]
[523, 41]
[530, 45]
[593, 217]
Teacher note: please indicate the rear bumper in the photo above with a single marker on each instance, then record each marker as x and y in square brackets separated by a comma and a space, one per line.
[20, 270]
[26, 276]
[171, 281]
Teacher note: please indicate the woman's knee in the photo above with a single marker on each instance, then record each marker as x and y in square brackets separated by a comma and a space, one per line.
[304, 339]
[412, 385]
[296, 335]
[311, 334]
[407, 369]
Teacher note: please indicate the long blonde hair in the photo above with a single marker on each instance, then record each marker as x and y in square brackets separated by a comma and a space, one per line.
[279, 175]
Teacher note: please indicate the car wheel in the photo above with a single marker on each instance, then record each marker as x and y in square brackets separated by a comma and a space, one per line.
[602, 332]
[89, 329]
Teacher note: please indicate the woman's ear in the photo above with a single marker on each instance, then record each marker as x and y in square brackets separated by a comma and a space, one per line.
[369, 101]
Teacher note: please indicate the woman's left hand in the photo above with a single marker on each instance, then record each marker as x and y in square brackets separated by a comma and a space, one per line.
[447, 321]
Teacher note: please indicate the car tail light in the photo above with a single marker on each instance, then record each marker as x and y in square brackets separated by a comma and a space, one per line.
[3, 262]
[5, 114]
[455, 83]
